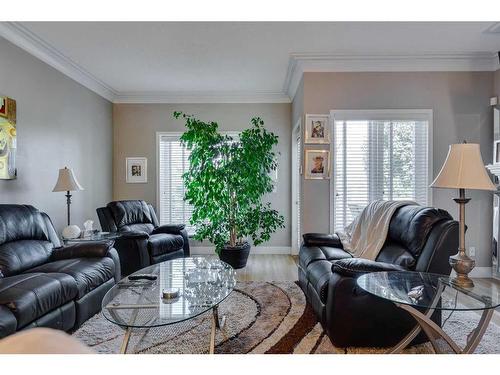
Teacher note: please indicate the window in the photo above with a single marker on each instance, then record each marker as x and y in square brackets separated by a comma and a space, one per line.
[379, 155]
[173, 162]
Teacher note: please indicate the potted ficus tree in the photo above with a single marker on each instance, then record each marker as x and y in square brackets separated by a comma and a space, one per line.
[226, 182]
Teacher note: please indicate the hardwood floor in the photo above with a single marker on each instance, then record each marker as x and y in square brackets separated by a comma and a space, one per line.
[269, 268]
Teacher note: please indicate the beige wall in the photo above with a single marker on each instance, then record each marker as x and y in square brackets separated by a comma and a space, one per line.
[460, 101]
[135, 127]
[59, 123]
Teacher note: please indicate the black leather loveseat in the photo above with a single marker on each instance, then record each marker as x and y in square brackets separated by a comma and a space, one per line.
[44, 284]
[419, 239]
[143, 241]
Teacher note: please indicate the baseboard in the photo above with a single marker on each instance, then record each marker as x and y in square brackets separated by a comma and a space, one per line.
[257, 250]
[479, 272]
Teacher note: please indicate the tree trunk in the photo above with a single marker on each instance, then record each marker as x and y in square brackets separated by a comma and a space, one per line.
[233, 237]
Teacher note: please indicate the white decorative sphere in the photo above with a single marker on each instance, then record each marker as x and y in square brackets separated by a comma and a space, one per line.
[71, 232]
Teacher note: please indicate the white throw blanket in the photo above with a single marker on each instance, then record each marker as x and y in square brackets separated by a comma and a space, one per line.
[366, 235]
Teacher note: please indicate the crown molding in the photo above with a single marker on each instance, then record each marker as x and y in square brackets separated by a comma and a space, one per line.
[201, 97]
[301, 63]
[31, 43]
[22, 37]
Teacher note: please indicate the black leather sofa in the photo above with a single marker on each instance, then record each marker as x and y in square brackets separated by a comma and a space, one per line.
[143, 241]
[419, 239]
[45, 284]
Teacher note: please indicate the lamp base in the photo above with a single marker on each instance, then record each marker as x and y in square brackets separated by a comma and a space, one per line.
[71, 232]
[462, 265]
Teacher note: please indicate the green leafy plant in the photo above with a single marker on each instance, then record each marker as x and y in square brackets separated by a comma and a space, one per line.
[227, 180]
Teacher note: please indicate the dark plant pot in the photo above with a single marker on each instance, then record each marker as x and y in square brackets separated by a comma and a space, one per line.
[236, 256]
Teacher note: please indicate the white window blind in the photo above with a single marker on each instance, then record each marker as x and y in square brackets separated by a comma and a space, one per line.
[173, 163]
[380, 158]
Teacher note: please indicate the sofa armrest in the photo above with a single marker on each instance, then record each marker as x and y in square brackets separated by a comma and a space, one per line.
[354, 267]
[134, 235]
[89, 249]
[322, 239]
[169, 229]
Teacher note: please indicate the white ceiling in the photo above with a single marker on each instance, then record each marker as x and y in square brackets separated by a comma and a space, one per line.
[169, 61]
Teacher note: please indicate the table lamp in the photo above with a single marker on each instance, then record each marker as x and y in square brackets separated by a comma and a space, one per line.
[67, 182]
[463, 169]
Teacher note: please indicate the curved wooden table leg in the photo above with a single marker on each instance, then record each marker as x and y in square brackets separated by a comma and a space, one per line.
[476, 335]
[431, 329]
[218, 323]
[399, 347]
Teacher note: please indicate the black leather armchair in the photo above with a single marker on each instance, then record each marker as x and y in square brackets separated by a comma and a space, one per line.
[143, 241]
[419, 239]
[45, 284]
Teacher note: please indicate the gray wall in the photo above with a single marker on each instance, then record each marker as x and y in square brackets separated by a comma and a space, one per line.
[59, 123]
[135, 127]
[497, 83]
[460, 101]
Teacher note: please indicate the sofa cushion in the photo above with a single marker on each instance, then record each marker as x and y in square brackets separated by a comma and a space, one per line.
[396, 254]
[358, 266]
[310, 254]
[321, 239]
[30, 296]
[88, 273]
[410, 226]
[8, 322]
[21, 222]
[130, 212]
[163, 243]
[144, 228]
[24, 238]
[21, 255]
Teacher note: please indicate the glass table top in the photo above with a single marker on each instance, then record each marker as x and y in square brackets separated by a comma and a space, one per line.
[99, 236]
[202, 282]
[419, 289]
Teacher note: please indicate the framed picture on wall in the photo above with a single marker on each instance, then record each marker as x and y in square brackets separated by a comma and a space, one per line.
[137, 170]
[317, 165]
[317, 129]
[496, 152]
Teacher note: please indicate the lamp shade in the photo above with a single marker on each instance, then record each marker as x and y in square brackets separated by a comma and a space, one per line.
[67, 181]
[463, 169]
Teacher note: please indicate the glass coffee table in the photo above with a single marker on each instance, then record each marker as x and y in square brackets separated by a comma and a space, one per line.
[202, 284]
[415, 292]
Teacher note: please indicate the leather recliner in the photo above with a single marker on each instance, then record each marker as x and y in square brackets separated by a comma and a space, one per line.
[419, 239]
[45, 284]
[143, 241]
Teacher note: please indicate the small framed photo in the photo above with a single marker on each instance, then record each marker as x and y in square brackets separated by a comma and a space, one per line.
[137, 170]
[317, 165]
[496, 153]
[317, 129]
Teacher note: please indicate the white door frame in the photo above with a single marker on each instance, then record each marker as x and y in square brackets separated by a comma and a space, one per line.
[296, 183]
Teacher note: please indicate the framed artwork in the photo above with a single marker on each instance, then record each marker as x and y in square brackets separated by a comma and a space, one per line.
[317, 165]
[137, 170]
[496, 153]
[317, 129]
[8, 141]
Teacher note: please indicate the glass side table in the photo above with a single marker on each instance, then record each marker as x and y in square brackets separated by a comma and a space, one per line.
[96, 237]
[417, 291]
